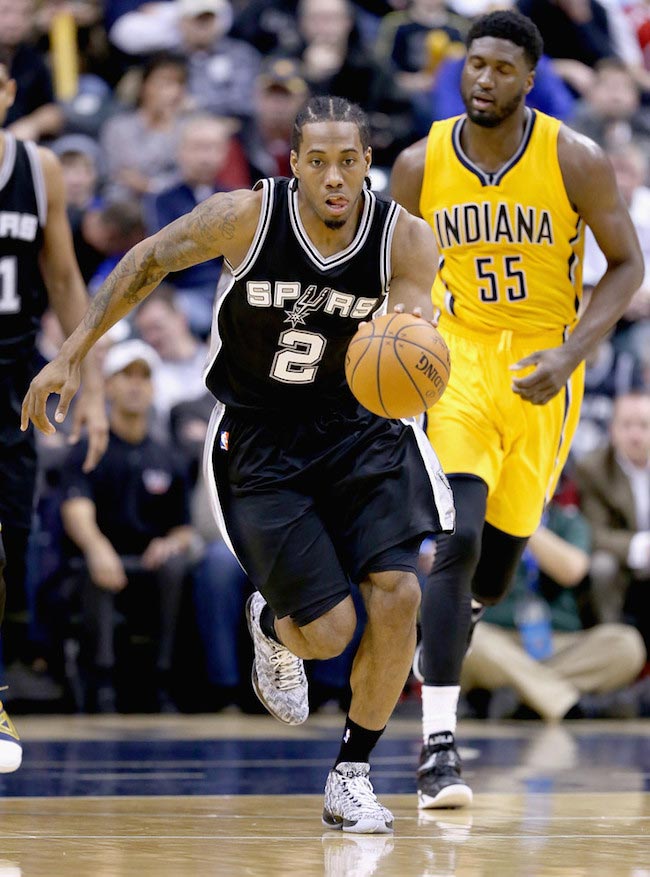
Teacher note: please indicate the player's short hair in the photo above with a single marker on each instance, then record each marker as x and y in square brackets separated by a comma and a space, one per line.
[327, 108]
[508, 24]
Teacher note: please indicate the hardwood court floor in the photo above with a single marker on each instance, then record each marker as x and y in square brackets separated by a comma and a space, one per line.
[93, 800]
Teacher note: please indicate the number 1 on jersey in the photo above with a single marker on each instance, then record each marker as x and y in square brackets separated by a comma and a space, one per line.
[9, 298]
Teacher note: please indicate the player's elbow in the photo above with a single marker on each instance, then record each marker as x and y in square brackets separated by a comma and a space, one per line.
[636, 271]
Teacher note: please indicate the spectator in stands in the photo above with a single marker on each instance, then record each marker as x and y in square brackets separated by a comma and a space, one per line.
[417, 40]
[269, 25]
[632, 336]
[222, 70]
[162, 323]
[81, 162]
[563, 670]
[139, 147]
[102, 233]
[96, 61]
[575, 32]
[614, 485]
[638, 14]
[332, 56]
[129, 520]
[609, 373]
[280, 91]
[202, 154]
[334, 60]
[34, 114]
[610, 110]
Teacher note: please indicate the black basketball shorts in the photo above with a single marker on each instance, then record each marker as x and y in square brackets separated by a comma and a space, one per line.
[17, 450]
[306, 506]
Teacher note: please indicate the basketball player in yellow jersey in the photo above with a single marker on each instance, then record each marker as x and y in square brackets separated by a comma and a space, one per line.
[508, 192]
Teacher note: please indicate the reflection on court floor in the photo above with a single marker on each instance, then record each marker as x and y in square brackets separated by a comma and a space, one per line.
[229, 795]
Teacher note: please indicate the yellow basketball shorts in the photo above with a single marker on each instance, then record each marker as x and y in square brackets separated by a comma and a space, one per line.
[481, 427]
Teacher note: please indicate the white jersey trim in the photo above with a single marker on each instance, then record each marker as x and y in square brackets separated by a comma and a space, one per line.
[208, 473]
[263, 225]
[8, 159]
[39, 181]
[226, 283]
[442, 494]
[386, 246]
[333, 261]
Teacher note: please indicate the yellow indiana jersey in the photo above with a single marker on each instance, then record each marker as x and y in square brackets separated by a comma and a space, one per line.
[511, 244]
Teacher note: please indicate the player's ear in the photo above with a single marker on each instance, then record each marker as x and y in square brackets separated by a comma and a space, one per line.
[530, 82]
[368, 157]
[11, 92]
[293, 161]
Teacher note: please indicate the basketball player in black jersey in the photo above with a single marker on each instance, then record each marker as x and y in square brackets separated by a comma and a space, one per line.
[310, 490]
[37, 268]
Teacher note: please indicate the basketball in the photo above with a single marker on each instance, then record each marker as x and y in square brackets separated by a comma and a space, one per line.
[397, 365]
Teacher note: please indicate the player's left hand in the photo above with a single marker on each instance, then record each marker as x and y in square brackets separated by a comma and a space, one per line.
[552, 369]
[59, 377]
[62, 378]
[417, 312]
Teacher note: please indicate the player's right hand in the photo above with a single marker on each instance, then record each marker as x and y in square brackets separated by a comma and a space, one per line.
[58, 376]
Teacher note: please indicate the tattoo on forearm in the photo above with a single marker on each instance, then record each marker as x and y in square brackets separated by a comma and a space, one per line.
[98, 307]
[139, 271]
[178, 247]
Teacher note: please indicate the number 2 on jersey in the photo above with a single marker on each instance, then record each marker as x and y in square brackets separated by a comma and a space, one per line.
[512, 270]
[298, 363]
[9, 298]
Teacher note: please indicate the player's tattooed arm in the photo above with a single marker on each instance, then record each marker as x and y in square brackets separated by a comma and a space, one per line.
[223, 225]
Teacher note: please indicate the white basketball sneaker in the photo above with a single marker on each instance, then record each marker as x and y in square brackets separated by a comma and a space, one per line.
[351, 803]
[278, 676]
[11, 752]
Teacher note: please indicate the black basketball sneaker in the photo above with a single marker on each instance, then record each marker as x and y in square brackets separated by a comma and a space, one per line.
[439, 781]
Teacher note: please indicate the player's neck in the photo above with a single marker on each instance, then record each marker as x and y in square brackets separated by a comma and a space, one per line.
[2, 146]
[329, 241]
[491, 148]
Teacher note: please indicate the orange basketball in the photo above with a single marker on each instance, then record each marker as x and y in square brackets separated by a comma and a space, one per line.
[397, 365]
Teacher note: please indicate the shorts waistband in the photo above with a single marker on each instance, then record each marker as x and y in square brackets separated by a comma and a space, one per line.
[504, 339]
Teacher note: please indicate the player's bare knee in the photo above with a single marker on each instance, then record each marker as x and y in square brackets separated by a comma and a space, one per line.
[329, 635]
[400, 595]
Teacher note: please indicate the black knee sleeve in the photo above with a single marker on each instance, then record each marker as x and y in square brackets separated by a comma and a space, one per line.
[445, 613]
[500, 555]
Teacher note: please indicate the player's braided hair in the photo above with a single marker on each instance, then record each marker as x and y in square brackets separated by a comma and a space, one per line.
[508, 24]
[327, 108]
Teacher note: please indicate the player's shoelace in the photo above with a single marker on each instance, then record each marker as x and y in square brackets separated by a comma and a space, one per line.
[360, 792]
[288, 669]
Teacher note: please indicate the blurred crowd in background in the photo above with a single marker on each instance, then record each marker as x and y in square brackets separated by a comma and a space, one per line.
[132, 600]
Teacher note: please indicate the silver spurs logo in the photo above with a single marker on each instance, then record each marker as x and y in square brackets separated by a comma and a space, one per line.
[310, 300]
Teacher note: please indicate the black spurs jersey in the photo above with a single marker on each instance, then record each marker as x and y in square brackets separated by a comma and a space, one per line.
[285, 315]
[23, 214]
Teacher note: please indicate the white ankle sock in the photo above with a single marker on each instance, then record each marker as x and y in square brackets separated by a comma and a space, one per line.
[439, 706]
